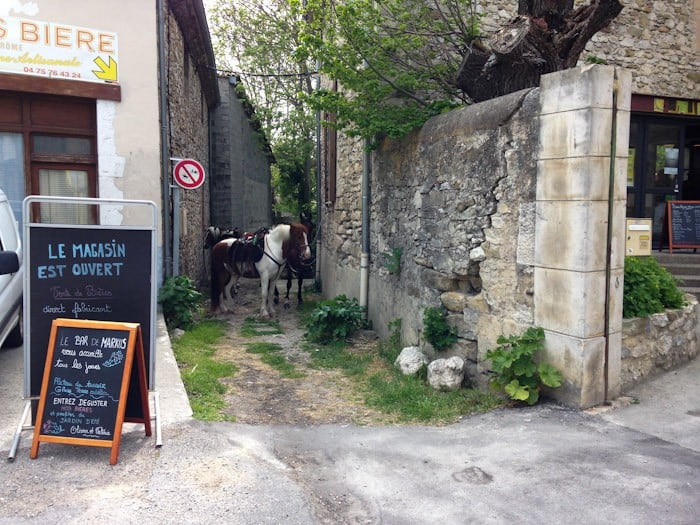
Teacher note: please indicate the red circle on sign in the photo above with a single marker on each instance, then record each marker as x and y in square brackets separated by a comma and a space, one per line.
[189, 174]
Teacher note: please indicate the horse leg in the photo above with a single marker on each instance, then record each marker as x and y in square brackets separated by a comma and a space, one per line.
[299, 281]
[289, 286]
[266, 310]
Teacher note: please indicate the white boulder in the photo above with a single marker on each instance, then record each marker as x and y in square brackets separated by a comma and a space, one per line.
[446, 374]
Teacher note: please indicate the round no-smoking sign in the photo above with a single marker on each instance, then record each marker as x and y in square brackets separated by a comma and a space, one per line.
[188, 174]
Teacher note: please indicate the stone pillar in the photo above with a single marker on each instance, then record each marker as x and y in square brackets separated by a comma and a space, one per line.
[582, 127]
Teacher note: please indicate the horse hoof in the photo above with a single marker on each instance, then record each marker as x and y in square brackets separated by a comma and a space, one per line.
[286, 306]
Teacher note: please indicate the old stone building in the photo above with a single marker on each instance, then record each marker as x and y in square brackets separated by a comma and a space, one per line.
[500, 211]
[240, 189]
[192, 95]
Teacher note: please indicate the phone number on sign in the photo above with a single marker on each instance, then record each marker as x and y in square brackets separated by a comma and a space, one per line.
[51, 72]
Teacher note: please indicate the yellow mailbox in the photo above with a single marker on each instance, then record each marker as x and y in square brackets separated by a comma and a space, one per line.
[638, 237]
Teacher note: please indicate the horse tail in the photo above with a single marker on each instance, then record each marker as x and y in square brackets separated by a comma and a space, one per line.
[215, 295]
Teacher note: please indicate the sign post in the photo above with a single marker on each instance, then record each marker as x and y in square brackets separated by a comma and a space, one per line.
[189, 175]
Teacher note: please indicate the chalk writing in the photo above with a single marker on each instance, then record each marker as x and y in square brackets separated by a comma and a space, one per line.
[85, 381]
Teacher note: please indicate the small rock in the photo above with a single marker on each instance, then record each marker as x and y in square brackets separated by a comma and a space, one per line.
[411, 360]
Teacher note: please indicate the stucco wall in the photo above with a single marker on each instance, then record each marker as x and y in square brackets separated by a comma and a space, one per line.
[656, 41]
[128, 131]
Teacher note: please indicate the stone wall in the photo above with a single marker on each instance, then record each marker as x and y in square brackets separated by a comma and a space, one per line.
[457, 199]
[189, 138]
[656, 41]
[500, 213]
[658, 342]
[240, 185]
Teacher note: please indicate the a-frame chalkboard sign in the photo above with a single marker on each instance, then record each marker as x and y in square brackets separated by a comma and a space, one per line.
[89, 366]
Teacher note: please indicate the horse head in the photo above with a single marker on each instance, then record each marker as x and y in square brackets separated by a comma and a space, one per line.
[297, 246]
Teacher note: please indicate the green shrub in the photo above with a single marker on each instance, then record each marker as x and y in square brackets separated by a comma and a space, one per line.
[392, 261]
[436, 330]
[517, 374]
[180, 301]
[649, 288]
[334, 320]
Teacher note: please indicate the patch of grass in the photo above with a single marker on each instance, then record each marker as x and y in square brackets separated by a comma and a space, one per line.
[200, 372]
[270, 356]
[405, 398]
[254, 326]
[410, 398]
[335, 355]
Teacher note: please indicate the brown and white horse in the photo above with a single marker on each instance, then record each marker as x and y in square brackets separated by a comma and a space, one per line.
[264, 258]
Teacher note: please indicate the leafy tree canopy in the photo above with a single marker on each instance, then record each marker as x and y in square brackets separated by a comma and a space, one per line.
[256, 40]
[395, 60]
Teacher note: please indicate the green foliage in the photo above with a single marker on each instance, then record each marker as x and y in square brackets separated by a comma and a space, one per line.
[410, 398]
[180, 301]
[395, 61]
[436, 330]
[334, 355]
[402, 398]
[257, 39]
[592, 59]
[392, 261]
[649, 288]
[390, 348]
[200, 372]
[517, 373]
[334, 319]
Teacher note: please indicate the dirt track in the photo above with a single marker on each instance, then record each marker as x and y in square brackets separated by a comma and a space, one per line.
[258, 394]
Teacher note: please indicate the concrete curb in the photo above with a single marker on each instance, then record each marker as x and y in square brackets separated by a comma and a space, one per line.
[174, 403]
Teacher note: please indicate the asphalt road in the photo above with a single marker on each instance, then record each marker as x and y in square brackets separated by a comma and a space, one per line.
[547, 464]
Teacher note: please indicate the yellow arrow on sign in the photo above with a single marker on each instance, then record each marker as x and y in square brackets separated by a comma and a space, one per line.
[106, 72]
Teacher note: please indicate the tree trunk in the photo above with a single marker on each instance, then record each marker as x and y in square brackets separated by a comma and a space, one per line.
[546, 36]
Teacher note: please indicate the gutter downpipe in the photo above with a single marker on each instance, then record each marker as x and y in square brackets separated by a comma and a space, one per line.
[608, 248]
[318, 183]
[364, 257]
[164, 142]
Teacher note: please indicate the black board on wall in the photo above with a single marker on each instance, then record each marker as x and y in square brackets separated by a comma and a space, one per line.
[683, 224]
[88, 273]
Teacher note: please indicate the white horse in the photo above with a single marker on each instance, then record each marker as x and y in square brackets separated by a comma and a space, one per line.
[262, 258]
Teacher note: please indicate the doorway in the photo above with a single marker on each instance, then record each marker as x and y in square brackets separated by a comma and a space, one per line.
[664, 164]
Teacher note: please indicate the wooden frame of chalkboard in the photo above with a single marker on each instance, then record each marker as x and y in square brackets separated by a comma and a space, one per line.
[88, 370]
[683, 224]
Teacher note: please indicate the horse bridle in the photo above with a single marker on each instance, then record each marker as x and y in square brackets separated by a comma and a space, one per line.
[279, 265]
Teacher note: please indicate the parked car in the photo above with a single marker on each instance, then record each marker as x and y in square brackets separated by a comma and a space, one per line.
[11, 277]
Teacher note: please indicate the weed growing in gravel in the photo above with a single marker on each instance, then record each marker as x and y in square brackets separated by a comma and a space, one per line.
[269, 354]
[254, 326]
[200, 373]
